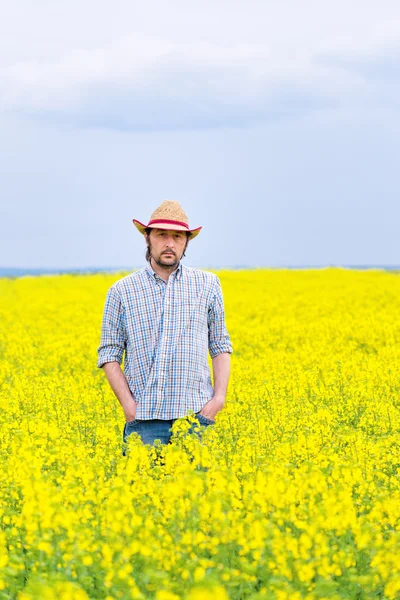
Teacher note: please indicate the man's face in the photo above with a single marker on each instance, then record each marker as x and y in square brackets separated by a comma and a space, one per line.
[167, 246]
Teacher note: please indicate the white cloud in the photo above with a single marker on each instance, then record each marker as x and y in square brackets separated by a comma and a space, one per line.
[161, 81]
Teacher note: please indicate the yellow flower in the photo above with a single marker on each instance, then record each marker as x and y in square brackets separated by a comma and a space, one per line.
[290, 497]
[166, 595]
[203, 593]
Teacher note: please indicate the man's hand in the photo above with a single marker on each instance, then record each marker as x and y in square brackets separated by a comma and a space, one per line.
[130, 411]
[212, 407]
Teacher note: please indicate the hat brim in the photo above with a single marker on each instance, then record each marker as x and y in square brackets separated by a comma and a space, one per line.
[142, 228]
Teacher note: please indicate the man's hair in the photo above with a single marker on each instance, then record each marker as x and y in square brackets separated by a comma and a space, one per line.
[147, 234]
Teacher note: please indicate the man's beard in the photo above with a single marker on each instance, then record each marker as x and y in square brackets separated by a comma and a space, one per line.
[160, 262]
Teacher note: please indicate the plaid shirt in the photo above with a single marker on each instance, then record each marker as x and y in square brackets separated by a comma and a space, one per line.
[166, 330]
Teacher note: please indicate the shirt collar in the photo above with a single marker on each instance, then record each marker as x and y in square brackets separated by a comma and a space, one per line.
[177, 273]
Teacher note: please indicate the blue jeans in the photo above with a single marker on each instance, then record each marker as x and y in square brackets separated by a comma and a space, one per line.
[150, 430]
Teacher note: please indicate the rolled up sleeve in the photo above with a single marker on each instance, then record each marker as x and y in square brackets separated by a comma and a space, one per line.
[113, 330]
[218, 337]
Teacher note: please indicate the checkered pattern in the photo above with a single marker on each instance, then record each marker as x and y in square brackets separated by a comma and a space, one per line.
[166, 330]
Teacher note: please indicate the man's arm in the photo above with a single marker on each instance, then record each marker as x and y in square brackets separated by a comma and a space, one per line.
[119, 385]
[111, 350]
[220, 349]
[221, 370]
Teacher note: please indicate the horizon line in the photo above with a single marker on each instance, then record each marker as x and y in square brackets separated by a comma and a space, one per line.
[21, 271]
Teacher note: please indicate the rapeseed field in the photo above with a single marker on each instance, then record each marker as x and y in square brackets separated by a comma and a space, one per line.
[293, 493]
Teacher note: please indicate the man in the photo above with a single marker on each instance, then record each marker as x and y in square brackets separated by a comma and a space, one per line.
[166, 317]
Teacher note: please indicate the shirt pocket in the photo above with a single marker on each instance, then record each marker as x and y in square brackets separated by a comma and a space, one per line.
[187, 313]
[192, 331]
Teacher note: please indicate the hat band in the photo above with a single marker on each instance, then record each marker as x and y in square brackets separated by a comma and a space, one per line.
[168, 221]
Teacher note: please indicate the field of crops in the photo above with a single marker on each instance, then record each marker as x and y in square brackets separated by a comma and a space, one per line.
[293, 493]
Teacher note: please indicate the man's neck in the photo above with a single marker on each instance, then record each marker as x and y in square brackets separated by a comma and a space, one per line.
[163, 272]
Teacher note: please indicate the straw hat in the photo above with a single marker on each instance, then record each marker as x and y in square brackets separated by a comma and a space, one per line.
[169, 215]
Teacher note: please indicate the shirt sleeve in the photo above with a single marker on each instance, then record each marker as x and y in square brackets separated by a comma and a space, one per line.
[113, 331]
[218, 337]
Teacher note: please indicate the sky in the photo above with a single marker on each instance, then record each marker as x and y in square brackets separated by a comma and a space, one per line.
[274, 124]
